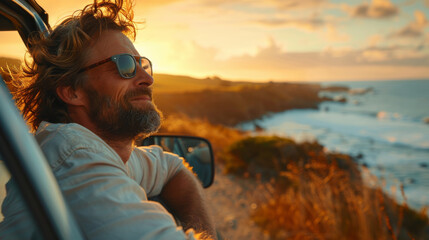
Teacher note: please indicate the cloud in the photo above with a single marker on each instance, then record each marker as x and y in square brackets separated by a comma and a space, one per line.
[377, 9]
[282, 5]
[332, 64]
[374, 40]
[312, 23]
[408, 32]
[374, 55]
[424, 43]
[158, 2]
[273, 62]
[414, 29]
[333, 35]
[395, 56]
[299, 4]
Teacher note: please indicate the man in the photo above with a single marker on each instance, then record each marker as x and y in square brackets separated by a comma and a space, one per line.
[88, 96]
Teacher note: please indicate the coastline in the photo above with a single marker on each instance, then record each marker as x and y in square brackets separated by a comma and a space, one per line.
[252, 189]
[223, 135]
[392, 142]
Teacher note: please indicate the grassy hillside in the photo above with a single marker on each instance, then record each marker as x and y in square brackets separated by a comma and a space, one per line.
[165, 83]
[232, 104]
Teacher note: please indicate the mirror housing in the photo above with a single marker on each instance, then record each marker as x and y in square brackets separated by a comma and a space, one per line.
[196, 151]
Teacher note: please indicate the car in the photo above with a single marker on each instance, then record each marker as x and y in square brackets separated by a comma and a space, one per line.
[22, 162]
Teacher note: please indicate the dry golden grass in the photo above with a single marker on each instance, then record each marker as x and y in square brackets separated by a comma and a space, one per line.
[332, 207]
[312, 194]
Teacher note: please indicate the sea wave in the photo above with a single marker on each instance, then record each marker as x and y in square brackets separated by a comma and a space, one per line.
[386, 115]
[383, 115]
[386, 128]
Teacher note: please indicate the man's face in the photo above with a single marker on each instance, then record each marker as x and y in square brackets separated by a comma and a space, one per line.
[119, 107]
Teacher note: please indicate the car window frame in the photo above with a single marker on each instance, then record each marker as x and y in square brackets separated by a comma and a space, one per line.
[29, 169]
[20, 151]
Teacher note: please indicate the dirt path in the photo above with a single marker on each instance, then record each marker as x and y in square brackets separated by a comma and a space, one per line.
[232, 200]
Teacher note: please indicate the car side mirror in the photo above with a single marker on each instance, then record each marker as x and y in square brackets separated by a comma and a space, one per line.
[195, 150]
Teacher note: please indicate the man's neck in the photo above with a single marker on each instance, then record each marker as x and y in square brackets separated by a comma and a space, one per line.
[122, 147]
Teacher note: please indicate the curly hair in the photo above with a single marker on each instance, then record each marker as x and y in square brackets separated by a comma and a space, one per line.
[56, 60]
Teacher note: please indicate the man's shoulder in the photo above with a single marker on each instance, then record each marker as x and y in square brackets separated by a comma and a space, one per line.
[58, 141]
[68, 133]
[154, 151]
[154, 155]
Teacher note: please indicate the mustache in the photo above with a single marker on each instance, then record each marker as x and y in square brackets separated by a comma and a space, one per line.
[139, 92]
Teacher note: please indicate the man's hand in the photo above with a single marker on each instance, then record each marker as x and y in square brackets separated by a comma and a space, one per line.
[183, 194]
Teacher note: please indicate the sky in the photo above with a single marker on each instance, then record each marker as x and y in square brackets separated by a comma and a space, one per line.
[274, 40]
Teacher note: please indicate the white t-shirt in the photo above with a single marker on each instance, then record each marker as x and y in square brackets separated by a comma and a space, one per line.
[108, 198]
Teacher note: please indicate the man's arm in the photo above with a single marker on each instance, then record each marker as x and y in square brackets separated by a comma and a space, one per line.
[183, 194]
[109, 204]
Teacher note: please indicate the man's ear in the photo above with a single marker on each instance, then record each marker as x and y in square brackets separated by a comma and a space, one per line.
[71, 96]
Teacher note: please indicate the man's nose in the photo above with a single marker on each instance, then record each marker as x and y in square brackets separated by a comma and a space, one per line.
[143, 77]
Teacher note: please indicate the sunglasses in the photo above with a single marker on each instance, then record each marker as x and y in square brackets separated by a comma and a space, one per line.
[126, 64]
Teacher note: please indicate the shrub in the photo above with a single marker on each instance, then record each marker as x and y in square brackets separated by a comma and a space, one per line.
[313, 194]
[269, 156]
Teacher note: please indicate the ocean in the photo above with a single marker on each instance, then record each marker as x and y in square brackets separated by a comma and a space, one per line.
[382, 122]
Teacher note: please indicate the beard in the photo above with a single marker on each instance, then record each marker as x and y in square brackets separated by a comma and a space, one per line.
[120, 119]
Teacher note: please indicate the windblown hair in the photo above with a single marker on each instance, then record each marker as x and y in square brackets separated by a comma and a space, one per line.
[57, 59]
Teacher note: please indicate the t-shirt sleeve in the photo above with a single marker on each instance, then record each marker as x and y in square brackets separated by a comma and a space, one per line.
[156, 168]
[108, 204]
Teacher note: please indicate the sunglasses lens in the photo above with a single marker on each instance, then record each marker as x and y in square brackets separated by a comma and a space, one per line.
[126, 66]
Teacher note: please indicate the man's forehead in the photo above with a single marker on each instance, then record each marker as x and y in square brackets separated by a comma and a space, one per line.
[110, 43]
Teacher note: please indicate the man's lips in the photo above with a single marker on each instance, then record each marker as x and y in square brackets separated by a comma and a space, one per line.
[141, 98]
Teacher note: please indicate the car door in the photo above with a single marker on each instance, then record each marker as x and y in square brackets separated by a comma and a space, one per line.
[25, 175]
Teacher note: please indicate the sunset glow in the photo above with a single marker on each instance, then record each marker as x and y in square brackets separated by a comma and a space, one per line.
[277, 40]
